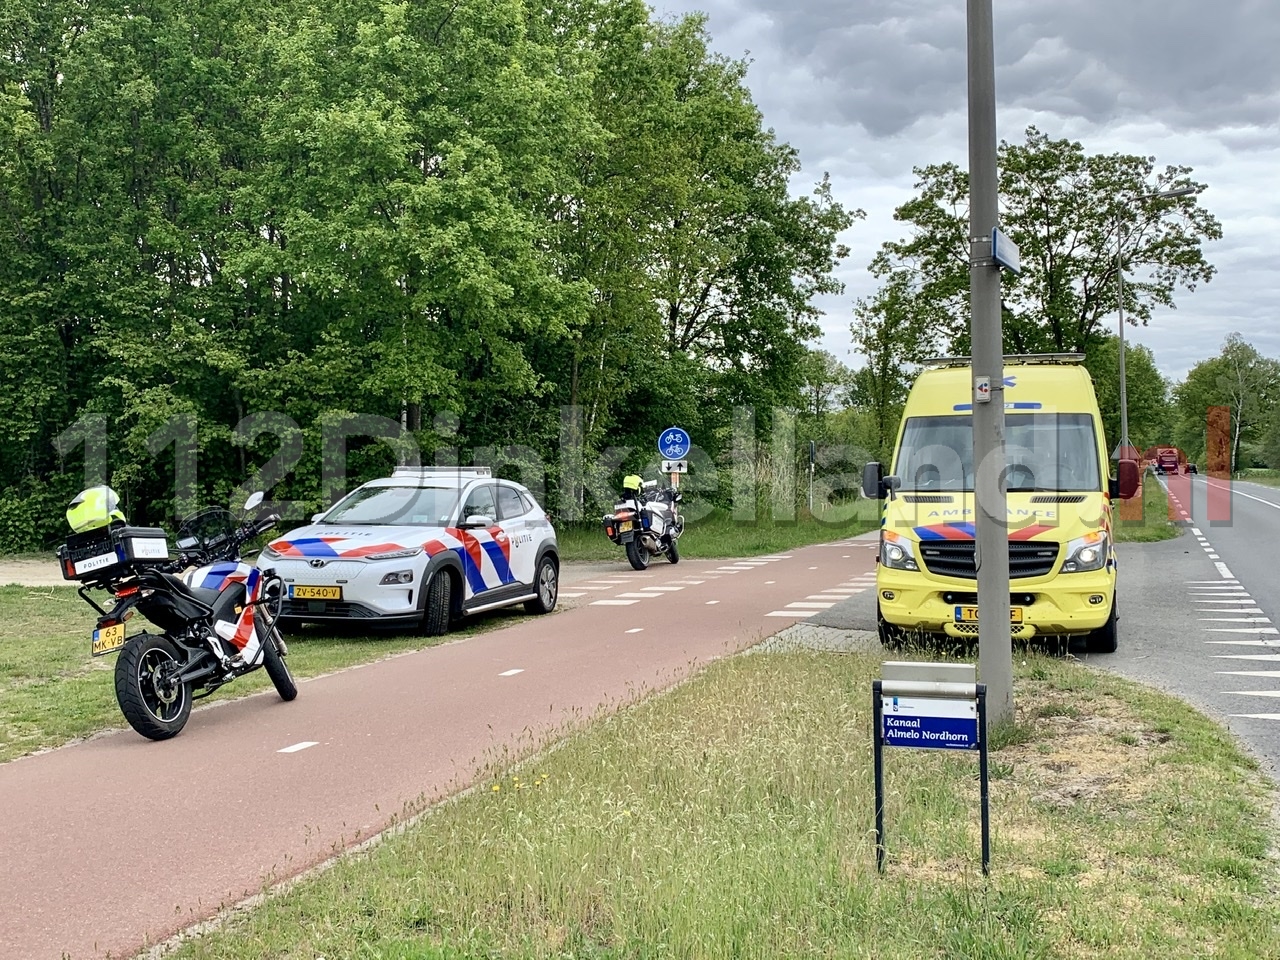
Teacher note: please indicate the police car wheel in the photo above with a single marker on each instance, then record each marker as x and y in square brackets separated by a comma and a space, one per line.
[435, 618]
[547, 584]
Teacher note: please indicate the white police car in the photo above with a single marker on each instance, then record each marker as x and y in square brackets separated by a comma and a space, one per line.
[421, 547]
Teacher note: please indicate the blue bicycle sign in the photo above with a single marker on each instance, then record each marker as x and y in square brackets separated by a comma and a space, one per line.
[673, 443]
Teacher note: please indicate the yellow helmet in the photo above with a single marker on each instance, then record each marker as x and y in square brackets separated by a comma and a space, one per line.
[94, 508]
[632, 482]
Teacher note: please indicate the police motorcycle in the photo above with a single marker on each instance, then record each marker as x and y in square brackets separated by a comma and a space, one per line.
[216, 614]
[646, 522]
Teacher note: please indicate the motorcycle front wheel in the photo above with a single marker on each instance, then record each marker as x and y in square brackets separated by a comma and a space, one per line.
[673, 550]
[273, 661]
[637, 555]
[150, 696]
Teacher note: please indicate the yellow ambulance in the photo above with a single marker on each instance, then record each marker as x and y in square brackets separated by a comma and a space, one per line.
[1062, 565]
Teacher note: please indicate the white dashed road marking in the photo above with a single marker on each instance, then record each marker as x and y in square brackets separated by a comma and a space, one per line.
[635, 630]
[299, 746]
[613, 603]
[511, 673]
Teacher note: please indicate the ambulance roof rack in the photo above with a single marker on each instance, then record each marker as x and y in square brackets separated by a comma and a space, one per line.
[424, 472]
[1009, 358]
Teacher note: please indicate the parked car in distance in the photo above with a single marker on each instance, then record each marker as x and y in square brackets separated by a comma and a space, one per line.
[423, 547]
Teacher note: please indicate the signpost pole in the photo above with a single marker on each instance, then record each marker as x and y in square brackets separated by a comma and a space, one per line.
[982, 777]
[991, 561]
[877, 751]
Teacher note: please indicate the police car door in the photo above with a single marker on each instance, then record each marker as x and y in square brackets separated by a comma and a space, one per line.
[483, 557]
[514, 516]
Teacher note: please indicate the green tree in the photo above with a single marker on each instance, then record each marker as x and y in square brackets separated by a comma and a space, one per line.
[896, 330]
[1150, 408]
[1239, 378]
[1065, 210]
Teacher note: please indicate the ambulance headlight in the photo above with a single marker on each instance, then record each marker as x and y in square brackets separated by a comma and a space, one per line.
[895, 552]
[1086, 553]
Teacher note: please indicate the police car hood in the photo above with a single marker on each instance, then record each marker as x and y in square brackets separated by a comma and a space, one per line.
[334, 541]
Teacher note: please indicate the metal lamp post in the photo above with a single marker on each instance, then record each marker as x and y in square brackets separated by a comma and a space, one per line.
[1125, 446]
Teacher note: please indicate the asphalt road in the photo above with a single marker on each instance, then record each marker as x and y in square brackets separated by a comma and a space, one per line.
[117, 843]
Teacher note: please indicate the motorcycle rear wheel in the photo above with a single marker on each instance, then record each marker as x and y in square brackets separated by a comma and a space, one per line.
[637, 555]
[154, 704]
[273, 661]
[673, 550]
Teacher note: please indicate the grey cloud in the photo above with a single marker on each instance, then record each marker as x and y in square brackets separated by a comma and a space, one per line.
[886, 65]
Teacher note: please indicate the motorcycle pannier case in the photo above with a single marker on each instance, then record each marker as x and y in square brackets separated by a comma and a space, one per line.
[102, 554]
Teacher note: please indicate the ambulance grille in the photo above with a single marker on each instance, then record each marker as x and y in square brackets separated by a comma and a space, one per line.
[954, 558]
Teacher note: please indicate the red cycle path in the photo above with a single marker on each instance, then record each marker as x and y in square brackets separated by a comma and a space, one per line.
[117, 843]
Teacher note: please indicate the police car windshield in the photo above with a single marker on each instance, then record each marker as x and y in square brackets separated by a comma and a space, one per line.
[395, 506]
[1045, 452]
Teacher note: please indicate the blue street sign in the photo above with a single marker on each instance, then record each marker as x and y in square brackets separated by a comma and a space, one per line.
[932, 724]
[1004, 251]
[673, 443]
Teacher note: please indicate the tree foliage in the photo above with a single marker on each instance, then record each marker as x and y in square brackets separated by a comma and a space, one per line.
[459, 215]
[1240, 379]
[1069, 212]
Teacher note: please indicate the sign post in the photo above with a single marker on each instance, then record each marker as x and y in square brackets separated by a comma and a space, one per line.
[674, 445]
[933, 706]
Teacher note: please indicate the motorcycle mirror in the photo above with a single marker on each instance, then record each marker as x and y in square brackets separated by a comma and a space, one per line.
[254, 501]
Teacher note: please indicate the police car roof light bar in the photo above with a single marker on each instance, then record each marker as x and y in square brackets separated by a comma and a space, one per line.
[442, 472]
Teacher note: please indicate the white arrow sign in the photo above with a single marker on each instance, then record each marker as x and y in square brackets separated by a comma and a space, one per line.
[675, 466]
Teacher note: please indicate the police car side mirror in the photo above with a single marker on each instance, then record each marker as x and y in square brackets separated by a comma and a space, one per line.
[477, 520]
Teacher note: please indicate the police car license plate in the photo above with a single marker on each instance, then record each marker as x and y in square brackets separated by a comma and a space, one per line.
[107, 639]
[970, 614]
[300, 592]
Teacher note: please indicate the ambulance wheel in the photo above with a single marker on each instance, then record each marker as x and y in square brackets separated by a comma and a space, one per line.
[1106, 638]
[891, 635]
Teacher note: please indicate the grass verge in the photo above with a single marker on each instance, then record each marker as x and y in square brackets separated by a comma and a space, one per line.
[733, 817]
[52, 691]
[1154, 524]
[720, 535]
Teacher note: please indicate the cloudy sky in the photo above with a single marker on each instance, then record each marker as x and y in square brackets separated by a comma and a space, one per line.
[867, 90]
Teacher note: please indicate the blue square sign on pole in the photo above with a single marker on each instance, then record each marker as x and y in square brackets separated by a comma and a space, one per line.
[937, 706]
[931, 723]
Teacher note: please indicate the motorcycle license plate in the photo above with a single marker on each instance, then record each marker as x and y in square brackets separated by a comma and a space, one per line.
[970, 614]
[300, 592]
[626, 525]
[107, 640]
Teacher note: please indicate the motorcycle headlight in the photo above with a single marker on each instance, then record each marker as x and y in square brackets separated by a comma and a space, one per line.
[895, 552]
[395, 554]
[1086, 553]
